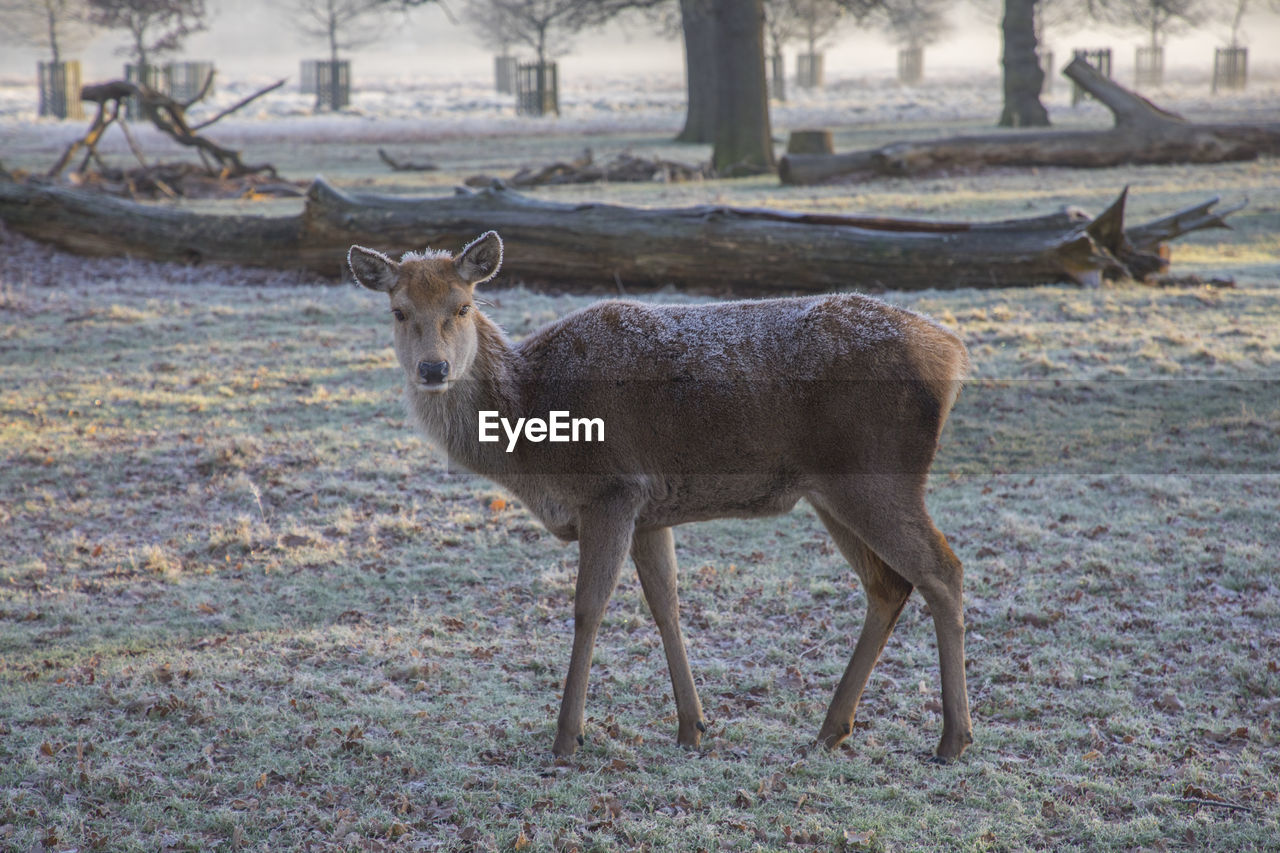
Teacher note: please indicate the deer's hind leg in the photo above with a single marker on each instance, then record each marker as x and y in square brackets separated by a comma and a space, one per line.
[887, 512]
[887, 593]
[654, 553]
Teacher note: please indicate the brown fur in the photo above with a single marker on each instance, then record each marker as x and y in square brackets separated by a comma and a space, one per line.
[734, 409]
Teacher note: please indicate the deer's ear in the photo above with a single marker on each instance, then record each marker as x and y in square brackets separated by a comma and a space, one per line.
[481, 259]
[372, 269]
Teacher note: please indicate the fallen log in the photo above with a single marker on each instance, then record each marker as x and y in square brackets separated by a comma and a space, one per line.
[708, 248]
[92, 223]
[1143, 134]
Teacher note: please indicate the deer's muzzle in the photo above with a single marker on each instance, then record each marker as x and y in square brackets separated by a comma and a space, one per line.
[433, 372]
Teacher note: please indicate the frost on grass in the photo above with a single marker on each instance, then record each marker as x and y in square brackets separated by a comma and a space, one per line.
[242, 603]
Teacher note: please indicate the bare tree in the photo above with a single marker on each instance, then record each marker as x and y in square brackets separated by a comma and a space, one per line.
[154, 26]
[811, 20]
[548, 26]
[341, 24]
[781, 27]
[861, 9]
[347, 24]
[1158, 18]
[491, 25]
[1237, 18]
[1239, 9]
[816, 20]
[55, 25]
[916, 23]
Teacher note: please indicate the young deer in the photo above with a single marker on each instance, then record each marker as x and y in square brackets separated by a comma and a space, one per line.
[724, 410]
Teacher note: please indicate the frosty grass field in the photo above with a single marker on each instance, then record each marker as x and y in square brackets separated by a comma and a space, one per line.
[244, 607]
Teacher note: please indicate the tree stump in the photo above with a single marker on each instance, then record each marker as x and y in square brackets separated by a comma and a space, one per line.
[810, 142]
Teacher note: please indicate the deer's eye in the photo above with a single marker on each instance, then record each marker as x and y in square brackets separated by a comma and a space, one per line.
[398, 314]
[464, 310]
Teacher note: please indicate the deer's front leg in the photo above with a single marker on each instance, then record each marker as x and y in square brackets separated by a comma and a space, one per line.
[604, 537]
[655, 554]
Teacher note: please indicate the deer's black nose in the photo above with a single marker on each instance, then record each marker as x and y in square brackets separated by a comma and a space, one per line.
[433, 372]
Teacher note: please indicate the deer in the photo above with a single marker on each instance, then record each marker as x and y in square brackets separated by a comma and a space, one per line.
[728, 409]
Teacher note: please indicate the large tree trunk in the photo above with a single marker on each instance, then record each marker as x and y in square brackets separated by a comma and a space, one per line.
[1143, 134]
[1023, 77]
[743, 138]
[700, 71]
[707, 248]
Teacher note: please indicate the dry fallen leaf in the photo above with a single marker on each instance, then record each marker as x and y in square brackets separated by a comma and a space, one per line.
[857, 840]
[1195, 792]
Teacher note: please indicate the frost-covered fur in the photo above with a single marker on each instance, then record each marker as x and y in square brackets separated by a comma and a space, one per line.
[730, 409]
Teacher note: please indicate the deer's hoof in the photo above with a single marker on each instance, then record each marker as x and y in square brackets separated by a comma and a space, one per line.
[831, 736]
[690, 735]
[566, 746]
[951, 748]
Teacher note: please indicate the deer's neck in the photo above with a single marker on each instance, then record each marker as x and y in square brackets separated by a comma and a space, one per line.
[451, 419]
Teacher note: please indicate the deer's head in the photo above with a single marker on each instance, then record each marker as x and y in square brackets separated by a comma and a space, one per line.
[432, 305]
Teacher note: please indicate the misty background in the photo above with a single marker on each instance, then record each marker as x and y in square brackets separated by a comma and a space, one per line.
[248, 40]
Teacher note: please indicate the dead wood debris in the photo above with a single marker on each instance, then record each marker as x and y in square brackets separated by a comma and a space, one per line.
[1143, 134]
[221, 173]
[625, 168]
[184, 180]
[405, 165]
[1192, 281]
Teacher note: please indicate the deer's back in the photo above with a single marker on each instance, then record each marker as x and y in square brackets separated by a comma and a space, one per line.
[787, 385]
[808, 339]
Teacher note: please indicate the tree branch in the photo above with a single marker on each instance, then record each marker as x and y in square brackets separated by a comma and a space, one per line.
[244, 102]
